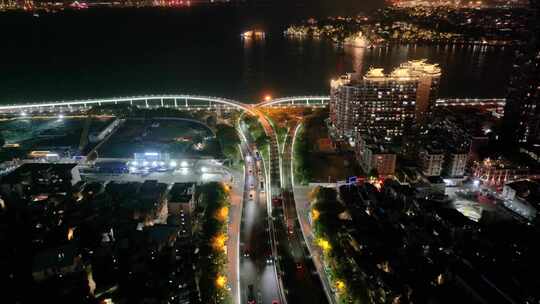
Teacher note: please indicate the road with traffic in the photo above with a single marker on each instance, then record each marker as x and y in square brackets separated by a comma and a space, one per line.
[298, 274]
[258, 276]
[303, 283]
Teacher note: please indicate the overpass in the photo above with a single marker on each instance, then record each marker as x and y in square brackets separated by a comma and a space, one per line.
[199, 102]
[297, 101]
[187, 102]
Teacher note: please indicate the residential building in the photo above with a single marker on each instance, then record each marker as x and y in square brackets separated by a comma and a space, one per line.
[497, 172]
[181, 198]
[522, 114]
[372, 154]
[56, 261]
[428, 86]
[36, 178]
[383, 104]
[431, 161]
[456, 164]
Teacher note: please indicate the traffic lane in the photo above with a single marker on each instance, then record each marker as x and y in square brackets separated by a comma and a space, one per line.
[304, 276]
[270, 290]
[255, 270]
[300, 278]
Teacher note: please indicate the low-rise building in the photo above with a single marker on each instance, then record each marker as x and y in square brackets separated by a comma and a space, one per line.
[372, 154]
[181, 198]
[431, 161]
[36, 178]
[497, 172]
[456, 164]
[56, 261]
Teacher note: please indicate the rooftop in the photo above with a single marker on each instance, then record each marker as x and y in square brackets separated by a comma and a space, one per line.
[181, 192]
[55, 257]
[36, 170]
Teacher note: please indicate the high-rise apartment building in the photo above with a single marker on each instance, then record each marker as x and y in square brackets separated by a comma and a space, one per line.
[522, 112]
[385, 105]
[429, 76]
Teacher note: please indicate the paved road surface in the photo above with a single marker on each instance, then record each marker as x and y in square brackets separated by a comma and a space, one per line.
[303, 282]
[255, 246]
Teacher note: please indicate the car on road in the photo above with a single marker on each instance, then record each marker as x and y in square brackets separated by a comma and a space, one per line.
[269, 260]
[251, 295]
[299, 266]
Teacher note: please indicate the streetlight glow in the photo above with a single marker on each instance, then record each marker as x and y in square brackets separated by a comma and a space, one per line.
[221, 281]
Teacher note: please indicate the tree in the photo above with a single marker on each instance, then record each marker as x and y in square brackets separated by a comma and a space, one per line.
[211, 121]
[261, 141]
[227, 135]
[229, 140]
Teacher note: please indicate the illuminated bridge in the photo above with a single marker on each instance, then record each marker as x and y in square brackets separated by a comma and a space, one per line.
[187, 102]
[297, 101]
[197, 102]
[494, 103]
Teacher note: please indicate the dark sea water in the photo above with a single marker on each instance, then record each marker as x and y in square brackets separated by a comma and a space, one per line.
[104, 53]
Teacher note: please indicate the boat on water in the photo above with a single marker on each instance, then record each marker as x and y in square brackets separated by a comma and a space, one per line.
[258, 34]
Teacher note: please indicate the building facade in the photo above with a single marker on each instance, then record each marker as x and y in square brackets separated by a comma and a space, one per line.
[373, 155]
[522, 112]
[383, 104]
[498, 172]
[431, 161]
[456, 164]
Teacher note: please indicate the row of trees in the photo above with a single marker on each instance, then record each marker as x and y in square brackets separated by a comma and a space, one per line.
[330, 236]
[229, 140]
[302, 169]
[256, 131]
[212, 265]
